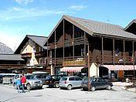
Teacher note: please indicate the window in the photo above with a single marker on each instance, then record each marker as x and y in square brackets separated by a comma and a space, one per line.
[77, 79]
[71, 79]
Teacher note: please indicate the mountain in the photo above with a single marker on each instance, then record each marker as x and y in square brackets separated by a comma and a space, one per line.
[4, 49]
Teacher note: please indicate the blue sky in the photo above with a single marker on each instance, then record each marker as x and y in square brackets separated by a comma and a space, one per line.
[21, 17]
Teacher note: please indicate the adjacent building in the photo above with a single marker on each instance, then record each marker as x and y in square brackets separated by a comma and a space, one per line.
[11, 63]
[34, 53]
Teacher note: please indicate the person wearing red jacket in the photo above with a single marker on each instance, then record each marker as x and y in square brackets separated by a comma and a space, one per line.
[23, 81]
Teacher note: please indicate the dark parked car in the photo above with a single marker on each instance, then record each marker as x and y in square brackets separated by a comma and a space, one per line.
[53, 80]
[96, 83]
[1, 78]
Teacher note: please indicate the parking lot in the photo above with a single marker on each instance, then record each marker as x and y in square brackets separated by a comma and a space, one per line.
[117, 94]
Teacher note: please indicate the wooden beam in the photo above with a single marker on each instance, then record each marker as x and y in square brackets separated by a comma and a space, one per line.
[55, 46]
[113, 53]
[133, 52]
[73, 27]
[47, 53]
[89, 87]
[124, 51]
[84, 45]
[102, 51]
[63, 39]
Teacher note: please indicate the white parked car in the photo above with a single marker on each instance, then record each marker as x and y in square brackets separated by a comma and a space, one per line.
[32, 82]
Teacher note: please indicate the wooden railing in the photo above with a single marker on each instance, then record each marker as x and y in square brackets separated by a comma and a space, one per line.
[40, 54]
[79, 40]
[77, 61]
[26, 55]
[2, 66]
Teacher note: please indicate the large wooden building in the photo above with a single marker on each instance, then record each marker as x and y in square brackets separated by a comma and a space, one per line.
[111, 47]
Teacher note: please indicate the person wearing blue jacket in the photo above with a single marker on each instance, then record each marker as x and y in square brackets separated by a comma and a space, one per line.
[18, 84]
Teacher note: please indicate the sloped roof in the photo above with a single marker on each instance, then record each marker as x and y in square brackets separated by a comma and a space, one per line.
[133, 21]
[40, 40]
[11, 57]
[101, 28]
[97, 28]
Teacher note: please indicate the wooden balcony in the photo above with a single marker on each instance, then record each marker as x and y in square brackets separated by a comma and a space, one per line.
[3, 66]
[68, 43]
[79, 40]
[26, 55]
[77, 61]
[40, 54]
[51, 46]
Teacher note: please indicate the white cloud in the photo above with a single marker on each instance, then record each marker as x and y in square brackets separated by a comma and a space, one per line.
[10, 40]
[77, 7]
[21, 13]
[24, 1]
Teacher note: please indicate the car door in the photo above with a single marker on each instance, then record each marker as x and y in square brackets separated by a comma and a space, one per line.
[78, 81]
[101, 83]
[96, 83]
[72, 81]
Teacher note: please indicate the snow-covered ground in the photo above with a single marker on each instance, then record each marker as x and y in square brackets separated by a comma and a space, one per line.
[117, 94]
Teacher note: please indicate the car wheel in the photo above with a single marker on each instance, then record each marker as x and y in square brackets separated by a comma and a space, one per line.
[69, 87]
[28, 86]
[40, 87]
[84, 89]
[93, 88]
[57, 85]
[109, 87]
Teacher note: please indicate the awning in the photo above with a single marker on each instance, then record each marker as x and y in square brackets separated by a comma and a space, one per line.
[120, 67]
[71, 69]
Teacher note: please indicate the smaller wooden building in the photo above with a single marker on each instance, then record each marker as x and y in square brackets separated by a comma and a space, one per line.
[11, 63]
[34, 53]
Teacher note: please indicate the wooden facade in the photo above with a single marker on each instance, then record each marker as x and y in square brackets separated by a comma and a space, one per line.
[67, 46]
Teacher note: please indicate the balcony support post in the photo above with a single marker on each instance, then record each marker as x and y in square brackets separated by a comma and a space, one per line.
[63, 39]
[73, 42]
[124, 52]
[102, 51]
[113, 52]
[84, 45]
[55, 47]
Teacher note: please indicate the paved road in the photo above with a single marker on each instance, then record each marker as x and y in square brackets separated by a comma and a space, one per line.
[9, 94]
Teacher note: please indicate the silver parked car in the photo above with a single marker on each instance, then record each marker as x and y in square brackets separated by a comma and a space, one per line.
[70, 82]
[32, 82]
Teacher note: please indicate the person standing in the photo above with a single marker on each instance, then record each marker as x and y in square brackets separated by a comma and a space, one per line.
[23, 81]
[18, 84]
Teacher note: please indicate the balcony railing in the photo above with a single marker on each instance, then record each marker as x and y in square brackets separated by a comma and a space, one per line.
[2, 66]
[40, 54]
[26, 55]
[77, 61]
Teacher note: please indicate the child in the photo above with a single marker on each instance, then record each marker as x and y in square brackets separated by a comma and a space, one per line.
[18, 84]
